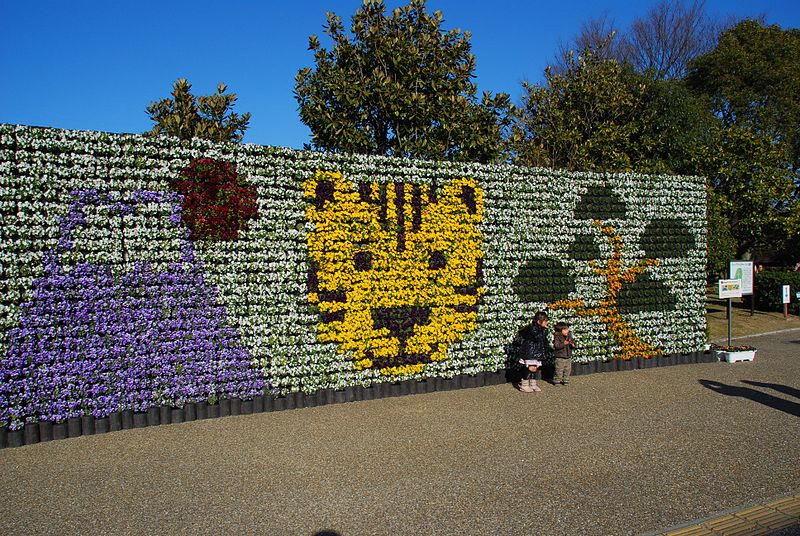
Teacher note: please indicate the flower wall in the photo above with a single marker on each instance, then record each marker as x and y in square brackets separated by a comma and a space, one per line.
[325, 271]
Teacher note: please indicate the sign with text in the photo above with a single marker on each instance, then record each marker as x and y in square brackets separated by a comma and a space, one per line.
[730, 288]
[786, 294]
[743, 270]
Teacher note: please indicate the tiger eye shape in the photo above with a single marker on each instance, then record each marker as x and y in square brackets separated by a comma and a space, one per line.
[437, 260]
[468, 197]
[323, 193]
[362, 261]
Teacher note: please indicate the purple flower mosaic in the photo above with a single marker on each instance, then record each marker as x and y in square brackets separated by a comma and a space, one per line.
[90, 342]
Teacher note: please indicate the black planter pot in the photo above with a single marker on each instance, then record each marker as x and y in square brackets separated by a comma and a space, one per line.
[350, 394]
[269, 403]
[59, 431]
[258, 404]
[153, 417]
[291, 400]
[236, 406]
[369, 393]
[395, 389]
[73, 427]
[224, 407]
[87, 425]
[330, 396]
[176, 415]
[247, 407]
[101, 426]
[201, 410]
[310, 400]
[3, 437]
[139, 420]
[339, 397]
[212, 411]
[420, 387]
[358, 393]
[45, 431]
[16, 438]
[164, 413]
[31, 433]
[279, 404]
[114, 421]
[126, 415]
[190, 412]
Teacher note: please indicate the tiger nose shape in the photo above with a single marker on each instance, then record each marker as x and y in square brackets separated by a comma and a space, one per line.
[400, 321]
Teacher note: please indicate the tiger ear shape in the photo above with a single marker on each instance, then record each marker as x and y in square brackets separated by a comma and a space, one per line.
[323, 192]
[464, 193]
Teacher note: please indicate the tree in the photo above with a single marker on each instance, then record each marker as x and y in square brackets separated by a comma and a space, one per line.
[186, 116]
[659, 45]
[599, 34]
[671, 35]
[752, 184]
[752, 79]
[580, 119]
[399, 85]
[721, 244]
[599, 115]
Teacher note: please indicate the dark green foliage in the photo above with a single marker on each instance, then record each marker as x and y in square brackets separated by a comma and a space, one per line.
[600, 203]
[585, 248]
[666, 238]
[398, 84]
[769, 289]
[645, 294]
[752, 82]
[543, 281]
[753, 79]
[186, 116]
[721, 242]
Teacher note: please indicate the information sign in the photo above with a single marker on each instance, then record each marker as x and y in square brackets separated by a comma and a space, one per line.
[786, 294]
[743, 270]
[730, 288]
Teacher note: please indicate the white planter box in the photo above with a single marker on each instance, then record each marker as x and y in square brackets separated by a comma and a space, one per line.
[733, 357]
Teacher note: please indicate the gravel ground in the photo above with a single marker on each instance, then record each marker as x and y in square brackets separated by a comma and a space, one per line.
[610, 454]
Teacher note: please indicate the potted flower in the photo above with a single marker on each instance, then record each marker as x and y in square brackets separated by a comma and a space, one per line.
[732, 354]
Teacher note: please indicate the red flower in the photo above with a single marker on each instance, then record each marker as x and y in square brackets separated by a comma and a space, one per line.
[217, 202]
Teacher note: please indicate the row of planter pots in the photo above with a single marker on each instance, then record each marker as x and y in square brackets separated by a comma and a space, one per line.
[127, 419]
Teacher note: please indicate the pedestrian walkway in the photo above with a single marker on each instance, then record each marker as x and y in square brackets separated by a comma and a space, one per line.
[779, 516]
[623, 453]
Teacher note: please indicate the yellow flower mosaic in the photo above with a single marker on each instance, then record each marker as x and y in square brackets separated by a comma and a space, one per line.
[395, 268]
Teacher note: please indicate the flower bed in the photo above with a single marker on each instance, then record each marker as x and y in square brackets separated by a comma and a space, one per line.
[733, 354]
[310, 271]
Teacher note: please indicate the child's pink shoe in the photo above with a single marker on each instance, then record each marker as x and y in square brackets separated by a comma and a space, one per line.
[525, 386]
[535, 388]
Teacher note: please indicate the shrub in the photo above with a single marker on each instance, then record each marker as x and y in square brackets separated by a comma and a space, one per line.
[769, 288]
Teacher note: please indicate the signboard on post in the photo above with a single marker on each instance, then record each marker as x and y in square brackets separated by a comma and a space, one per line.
[743, 270]
[786, 294]
[730, 288]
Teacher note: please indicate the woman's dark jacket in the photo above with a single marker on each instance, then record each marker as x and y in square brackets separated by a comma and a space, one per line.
[534, 344]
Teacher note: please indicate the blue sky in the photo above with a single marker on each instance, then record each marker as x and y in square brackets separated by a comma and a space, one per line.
[97, 65]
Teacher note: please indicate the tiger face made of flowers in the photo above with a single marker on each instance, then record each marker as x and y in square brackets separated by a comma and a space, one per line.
[395, 269]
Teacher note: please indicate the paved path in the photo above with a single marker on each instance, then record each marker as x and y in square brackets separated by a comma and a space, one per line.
[611, 454]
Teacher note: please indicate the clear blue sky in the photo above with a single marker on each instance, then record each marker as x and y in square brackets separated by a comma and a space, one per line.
[96, 65]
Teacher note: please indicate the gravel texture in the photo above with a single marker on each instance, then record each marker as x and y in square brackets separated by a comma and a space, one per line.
[610, 454]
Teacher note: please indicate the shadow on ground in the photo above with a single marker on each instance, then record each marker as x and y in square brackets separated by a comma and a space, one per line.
[787, 406]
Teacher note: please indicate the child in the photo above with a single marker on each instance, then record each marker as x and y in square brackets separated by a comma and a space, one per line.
[563, 345]
[533, 352]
